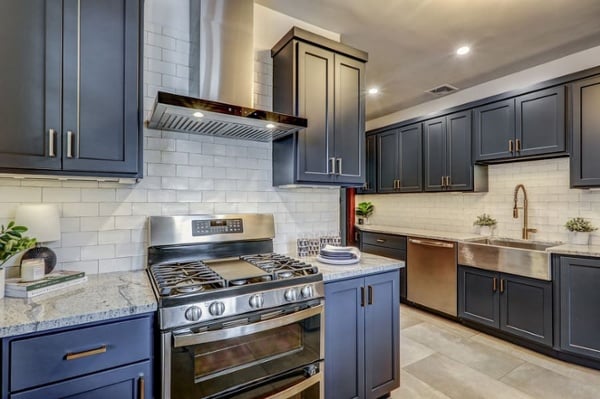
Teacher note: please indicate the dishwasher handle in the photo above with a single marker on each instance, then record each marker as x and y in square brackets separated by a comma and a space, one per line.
[430, 243]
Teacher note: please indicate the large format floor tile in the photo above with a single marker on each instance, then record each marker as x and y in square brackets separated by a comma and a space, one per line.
[441, 359]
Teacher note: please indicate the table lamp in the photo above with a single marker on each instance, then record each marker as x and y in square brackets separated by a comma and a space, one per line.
[43, 224]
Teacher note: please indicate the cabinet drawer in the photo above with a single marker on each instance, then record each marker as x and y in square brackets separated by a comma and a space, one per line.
[47, 358]
[384, 240]
[384, 251]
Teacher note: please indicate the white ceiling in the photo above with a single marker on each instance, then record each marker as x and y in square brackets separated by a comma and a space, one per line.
[411, 43]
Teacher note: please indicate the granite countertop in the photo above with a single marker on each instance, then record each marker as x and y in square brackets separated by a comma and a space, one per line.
[571, 249]
[104, 296]
[414, 232]
[369, 264]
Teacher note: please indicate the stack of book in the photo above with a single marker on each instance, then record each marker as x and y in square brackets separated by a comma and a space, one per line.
[17, 288]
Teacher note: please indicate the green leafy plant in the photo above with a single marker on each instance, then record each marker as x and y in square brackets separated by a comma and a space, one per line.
[365, 209]
[580, 224]
[485, 220]
[12, 241]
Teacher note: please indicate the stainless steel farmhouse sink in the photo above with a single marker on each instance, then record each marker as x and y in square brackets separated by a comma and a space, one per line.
[520, 257]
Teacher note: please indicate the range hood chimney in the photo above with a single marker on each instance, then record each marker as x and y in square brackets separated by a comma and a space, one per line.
[221, 79]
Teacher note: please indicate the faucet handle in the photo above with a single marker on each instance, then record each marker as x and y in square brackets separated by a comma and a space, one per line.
[532, 230]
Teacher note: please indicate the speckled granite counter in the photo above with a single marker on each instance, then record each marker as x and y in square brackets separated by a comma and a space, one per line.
[413, 232]
[580, 250]
[368, 264]
[104, 296]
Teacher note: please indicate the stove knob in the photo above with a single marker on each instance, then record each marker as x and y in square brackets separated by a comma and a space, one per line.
[193, 313]
[291, 294]
[216, 308]
[307, 291]
[256, 301]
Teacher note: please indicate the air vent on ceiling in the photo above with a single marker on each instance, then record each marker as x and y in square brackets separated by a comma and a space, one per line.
[442, 90]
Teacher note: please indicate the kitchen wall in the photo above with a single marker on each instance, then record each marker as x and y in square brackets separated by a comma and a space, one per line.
[551, 203]
[104, 224]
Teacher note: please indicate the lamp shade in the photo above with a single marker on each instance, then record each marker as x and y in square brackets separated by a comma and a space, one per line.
[42, 221]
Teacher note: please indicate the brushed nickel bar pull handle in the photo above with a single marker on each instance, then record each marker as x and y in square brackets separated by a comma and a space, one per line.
[447, 181]
[370, 300]
[510, 146]
[69, 144]
[495, 284]
[518, 145]
[399, 185]
[443, 180]
[339, 164]
[141, 387]
[429, 243]
[379, 240]
[51, 151]
[91, 352]
[501, 285]
[331, 170]
[362, 297]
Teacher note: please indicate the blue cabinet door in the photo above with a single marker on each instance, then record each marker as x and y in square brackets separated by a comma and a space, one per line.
[344, 339]
[121, 383]
[382, 367]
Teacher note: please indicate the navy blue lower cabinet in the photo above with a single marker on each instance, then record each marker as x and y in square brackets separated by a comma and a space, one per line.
[362, 336]
[110, 359]
[579, 296]
[121, 383]
[517, 305]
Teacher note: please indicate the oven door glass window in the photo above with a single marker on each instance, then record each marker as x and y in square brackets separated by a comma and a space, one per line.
[248, 359]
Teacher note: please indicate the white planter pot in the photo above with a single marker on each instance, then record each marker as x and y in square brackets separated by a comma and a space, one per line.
[485, 230]
[579, 238]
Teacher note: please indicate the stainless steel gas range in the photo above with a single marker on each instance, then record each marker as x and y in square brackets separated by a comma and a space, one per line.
[236, 320]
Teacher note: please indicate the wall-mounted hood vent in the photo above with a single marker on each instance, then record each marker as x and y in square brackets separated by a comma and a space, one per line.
[221, 74]
[194, 115]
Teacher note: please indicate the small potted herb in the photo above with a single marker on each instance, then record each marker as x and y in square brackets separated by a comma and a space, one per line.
[580, 230]
[364, 211]
[486, 223]
[11, 243]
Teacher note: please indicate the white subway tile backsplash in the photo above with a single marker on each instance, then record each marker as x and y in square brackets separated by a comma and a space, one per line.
[130, 222]
[80, 239]
[114, 236]
[98, 223]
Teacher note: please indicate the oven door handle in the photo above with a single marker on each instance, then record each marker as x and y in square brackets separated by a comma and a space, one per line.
[298, 388]
[189, 338]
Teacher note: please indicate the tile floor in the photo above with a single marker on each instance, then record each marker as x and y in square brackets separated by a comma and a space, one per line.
[441, 359]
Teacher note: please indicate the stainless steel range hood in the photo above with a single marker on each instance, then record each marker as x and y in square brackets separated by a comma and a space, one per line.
[222, 74]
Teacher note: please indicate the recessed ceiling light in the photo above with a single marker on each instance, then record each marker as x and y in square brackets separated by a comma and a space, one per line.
[463, 50]
[198, 114]
[373, 90]
[270, 126]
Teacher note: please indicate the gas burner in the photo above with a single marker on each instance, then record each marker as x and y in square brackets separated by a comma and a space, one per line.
[284, 274]
[186, 287]
[239, 282]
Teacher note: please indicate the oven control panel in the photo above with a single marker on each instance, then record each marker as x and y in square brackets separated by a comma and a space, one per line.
[216, 226]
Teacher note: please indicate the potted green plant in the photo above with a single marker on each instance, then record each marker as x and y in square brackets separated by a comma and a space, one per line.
[12, 242]
[486, 224]
[364, 210]
[580, 230]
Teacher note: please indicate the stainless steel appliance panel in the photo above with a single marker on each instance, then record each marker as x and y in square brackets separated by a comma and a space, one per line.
[431, 274]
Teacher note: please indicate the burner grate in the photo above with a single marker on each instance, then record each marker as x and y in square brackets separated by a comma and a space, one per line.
[280, 266]
[173, 279]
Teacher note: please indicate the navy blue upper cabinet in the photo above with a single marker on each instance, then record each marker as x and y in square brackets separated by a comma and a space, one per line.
[370, 186]
[447, 153]
[531, 125]
[399, 161]
[585, 163]
[30, 88]
[70, 96]
[322, 81]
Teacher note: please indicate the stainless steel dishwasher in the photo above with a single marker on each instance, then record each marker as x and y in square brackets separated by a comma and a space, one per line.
[431, 274]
